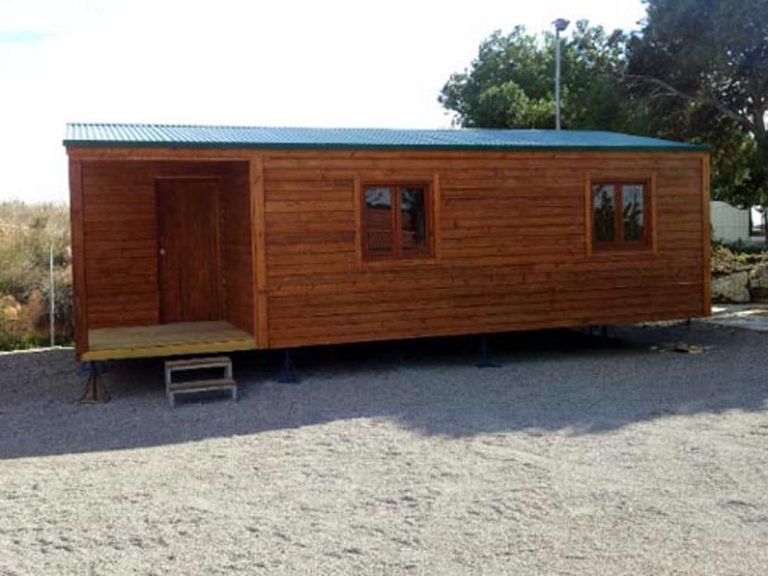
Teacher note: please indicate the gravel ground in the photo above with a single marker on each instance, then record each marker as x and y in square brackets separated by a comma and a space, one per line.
[574, 457]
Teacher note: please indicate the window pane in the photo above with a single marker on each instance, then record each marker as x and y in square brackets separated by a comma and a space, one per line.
[632, 212]
[603, 198]
[413, 219]
[378, 220]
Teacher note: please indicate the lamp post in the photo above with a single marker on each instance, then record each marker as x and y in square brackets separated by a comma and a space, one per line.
[560, 25]
[52, 298]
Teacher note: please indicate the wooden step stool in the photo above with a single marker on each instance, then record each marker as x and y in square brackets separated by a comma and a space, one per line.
[191, 386]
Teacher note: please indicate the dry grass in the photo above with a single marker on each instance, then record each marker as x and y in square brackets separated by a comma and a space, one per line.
[27, 232]
[727, 260]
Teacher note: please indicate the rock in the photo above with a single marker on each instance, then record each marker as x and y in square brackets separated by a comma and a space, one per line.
[758, 283]
[731, 288]
[681, 348]
[758, 276]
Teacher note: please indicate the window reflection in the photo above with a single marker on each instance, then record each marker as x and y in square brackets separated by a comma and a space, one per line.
[413, 219]
[395, 221]
[632, 212]
[378, 220]
[620, 219]
[604, 200]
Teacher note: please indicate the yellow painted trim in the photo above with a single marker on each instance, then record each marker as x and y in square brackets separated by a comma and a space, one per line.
[170, 350]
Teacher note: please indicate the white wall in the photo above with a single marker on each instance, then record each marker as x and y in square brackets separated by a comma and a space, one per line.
[729, 224]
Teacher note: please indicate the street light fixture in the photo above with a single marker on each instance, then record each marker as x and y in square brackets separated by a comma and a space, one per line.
[560, 25]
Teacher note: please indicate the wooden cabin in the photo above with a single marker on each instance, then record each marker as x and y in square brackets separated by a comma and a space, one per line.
[196, 239]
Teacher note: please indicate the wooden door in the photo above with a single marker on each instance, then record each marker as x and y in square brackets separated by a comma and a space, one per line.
[189, 254]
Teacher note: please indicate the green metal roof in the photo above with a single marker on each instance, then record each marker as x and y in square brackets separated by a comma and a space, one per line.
[178, 136]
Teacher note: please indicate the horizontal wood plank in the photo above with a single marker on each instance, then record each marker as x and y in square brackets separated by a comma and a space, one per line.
[512, 251]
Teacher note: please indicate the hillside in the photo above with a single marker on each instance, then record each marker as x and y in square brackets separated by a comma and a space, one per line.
[27, 231]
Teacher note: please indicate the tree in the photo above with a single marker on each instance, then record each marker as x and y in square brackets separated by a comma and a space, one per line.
[697, 71]
[701, 66]
[510, 83]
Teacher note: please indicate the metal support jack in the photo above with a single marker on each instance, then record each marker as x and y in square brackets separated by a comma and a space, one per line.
[95, 391]
[286, 373]
[485, 359]
[604, 339]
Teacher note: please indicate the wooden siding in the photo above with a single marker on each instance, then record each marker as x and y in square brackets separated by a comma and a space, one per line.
[237, 248]
[80, 300]
[256, 169]
[513, 250]
[120, 230]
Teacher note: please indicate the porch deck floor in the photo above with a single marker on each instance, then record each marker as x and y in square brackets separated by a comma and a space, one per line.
[175, 339]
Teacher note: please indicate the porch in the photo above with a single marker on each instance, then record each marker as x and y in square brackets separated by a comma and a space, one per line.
[175, 339]
[167, 250]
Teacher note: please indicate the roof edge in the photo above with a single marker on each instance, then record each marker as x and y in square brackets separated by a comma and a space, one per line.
[678, 147]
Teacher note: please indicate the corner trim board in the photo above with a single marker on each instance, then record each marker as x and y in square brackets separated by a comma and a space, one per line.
[261, 289]
[706, 232]
[77, 219]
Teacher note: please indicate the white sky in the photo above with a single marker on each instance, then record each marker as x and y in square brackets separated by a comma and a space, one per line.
[248, 62]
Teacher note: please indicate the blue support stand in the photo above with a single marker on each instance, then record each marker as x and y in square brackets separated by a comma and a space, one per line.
[485, 359]
[95, 391]
[286, 373]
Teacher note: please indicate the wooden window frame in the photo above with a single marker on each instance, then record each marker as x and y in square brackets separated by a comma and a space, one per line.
[649, 220]
[397, 249]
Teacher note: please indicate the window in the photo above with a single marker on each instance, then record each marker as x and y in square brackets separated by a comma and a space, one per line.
[620, 215]
[396, 221]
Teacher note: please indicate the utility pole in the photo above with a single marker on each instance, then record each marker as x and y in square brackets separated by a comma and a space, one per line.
[560, 25]
[52, 294]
